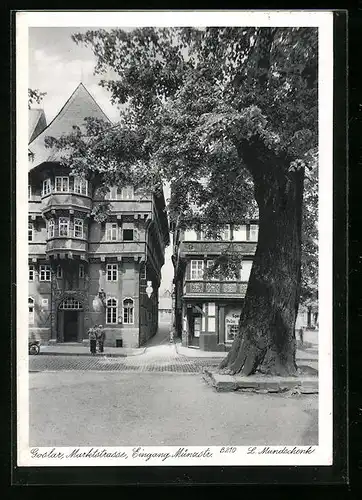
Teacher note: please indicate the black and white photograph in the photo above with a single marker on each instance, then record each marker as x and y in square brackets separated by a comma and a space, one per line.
[174, 291]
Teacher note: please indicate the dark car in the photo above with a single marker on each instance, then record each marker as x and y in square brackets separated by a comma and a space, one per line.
[34, 347]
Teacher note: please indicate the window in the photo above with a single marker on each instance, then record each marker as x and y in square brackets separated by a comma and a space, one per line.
[45, 304]
[112, 272]
[51, 228]
[80, 185]
[190, 235]
[127, 193]
[254, 232]
[47, 187]
[44, 273]
[62, 184]
[112, 194]
[111, 315]
[31, 273]
[209, 264]
[31, 310]
[81, 271]
[63, 226]
[111, 231]
[59, 272]
[211, 313]
[197, 269]
[128, 234]
[143, 275]
[231, 332]
[29, 191]
[128, 311]
[239, 233]
[245, 270]
[225, 233]
[30, 231]
[78, 228]
[71, 304]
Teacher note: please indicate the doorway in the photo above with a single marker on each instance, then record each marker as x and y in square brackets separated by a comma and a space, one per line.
[194, 324]
[71, 326]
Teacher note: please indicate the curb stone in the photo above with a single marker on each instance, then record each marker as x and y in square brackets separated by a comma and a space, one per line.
[261, 385]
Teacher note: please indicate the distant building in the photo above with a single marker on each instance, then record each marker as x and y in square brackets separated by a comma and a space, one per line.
[165, 307]
[82, 272]
[207, 310]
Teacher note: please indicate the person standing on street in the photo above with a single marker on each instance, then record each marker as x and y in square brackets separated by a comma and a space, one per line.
[101, 338]
[92, 340]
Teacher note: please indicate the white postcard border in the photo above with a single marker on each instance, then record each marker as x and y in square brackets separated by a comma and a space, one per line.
[321, 454]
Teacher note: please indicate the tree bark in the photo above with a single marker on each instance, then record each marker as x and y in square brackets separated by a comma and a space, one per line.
[266, 339]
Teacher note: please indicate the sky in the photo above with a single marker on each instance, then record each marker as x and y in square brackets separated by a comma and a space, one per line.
[56, 66]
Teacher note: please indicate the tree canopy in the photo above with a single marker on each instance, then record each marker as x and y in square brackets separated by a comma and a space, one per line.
[227, 116]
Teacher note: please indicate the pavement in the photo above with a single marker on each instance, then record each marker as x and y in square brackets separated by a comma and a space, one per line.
[158, 349]
[156, 397]
[153, 409]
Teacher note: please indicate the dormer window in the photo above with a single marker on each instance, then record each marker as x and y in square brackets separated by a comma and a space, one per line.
[47, 187]
[62, 184]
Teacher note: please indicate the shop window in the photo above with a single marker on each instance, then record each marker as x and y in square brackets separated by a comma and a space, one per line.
[111, 313]
[128, 311]
[231, 332]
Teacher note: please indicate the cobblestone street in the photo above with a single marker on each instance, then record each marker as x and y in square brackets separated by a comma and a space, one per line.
[142, 363]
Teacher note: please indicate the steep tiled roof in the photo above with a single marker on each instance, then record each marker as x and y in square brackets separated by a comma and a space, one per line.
[36, 123]
[79, 106]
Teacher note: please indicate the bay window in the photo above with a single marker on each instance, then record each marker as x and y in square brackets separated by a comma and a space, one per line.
[62, 184]
[78, 228]
[47, 187]
[80, 186]
[63, 226]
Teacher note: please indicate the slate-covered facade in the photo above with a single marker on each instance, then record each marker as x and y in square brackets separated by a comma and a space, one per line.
[82, 272]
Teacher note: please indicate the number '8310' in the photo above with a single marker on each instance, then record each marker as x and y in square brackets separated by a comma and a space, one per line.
[228, 449]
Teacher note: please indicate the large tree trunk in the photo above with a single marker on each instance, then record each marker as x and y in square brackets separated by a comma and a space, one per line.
[266, 339]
